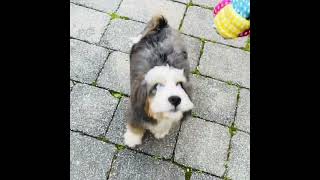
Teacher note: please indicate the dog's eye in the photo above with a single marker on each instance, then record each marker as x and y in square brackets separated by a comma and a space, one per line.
[157, 85]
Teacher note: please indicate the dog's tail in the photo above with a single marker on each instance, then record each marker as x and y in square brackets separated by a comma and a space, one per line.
[156, 24]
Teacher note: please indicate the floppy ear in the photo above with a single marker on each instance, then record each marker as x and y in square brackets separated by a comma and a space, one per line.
[138, 101]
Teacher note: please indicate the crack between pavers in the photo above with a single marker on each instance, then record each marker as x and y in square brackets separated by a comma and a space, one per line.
[101, 69]
[113, 114]
[175, 144]
[225, 174]
[98, 45]
[203, 6]
[226, 82]
[184, 15]
[144, 153]
[115, 156]
[81, 5]
[212, 121]
[177, 2]
[104, 88]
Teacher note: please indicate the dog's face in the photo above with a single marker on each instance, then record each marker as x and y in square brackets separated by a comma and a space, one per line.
[165, 92]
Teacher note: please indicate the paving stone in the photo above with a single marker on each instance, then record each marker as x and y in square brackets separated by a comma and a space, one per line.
[119, 33]
[202, 176]
[89, 158]
[214, 100]
[225, 63]
[143, 10]
[243, 112]
[208, 3]
[102, 5]
[87, 24]
[86, 60]
[115, 75]
[91, 109]
[163, 148]
[193, 46]
[199, 22]
[203, 145]
[239, 160]
[239, 42]
[135, 166]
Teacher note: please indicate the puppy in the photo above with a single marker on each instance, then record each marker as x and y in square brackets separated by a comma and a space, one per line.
[159, 79]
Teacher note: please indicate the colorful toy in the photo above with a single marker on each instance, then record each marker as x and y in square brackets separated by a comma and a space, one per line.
[231, 18]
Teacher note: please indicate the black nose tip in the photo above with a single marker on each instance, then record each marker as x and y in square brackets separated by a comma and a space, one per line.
[175, 100]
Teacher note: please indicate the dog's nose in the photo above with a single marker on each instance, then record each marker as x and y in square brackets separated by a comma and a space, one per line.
[175, 100]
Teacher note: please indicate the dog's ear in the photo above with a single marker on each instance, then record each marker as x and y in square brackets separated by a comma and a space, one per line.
[138, 100]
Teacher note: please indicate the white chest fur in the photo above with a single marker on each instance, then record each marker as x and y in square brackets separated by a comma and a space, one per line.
[164, 124]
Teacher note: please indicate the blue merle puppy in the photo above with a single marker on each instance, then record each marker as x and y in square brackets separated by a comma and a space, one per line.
[159, 79]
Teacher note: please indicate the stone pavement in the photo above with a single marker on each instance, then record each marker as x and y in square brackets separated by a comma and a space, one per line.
[213, 144]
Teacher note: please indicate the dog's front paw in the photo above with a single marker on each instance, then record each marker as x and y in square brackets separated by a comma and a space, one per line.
[160, 135]
[132, 139]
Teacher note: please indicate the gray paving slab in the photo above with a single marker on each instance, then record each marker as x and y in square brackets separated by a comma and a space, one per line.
[162, 148]
[101, 5]
[239, 160]
[87, 24]
[91, 109]
[119, 33]
[115, 74]
[86, 60]
[203, 145]
[135, 166]
[225, 63]
[193, 47]
[243, 112]
[214, 100]
[143, 10]
[89, 158]
[198, 22]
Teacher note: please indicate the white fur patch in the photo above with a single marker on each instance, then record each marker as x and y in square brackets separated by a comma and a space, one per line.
[167, 77]
[162, 128]
[132, 139]
[164, 74]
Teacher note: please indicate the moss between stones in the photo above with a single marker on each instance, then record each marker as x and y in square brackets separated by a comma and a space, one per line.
[188, 173]
[157, 157]
[116, 94]
[94, 83]
[196, 71]
[232, 130]
[102, 138]
[189, 4]
[116, 16]
[120, 147]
